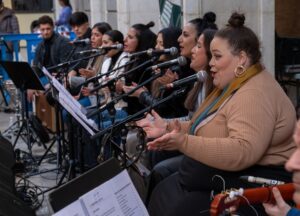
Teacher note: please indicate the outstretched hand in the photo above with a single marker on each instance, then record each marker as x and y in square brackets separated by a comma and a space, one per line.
[169, 141]
[280, 208]
[153, 125]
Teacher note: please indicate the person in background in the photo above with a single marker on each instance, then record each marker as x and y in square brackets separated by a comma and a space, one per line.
[281, 208]
[244, 127]
[51, 51]
[8, 25]
[79, 22]
[34, 27]
[64, 15]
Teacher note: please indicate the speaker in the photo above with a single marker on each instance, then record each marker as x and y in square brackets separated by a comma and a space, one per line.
[11, 205]
[7, 157]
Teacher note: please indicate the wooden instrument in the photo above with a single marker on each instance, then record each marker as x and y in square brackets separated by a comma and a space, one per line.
[45, 112]
[234, 198]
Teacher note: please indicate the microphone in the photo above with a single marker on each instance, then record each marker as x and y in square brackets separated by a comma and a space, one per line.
[263, 181]
[178, 61]
[91, 51]
[99, 49]
[151, 52]
[81, 42]
[199, 76]
[115, 46]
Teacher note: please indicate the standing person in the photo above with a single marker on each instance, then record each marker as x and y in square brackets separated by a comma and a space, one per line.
[64, 15]
[8, 25]
[244, 127]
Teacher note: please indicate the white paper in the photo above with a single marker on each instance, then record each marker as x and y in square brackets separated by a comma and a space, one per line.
[71, 105]
[117, 196]
[78, 116]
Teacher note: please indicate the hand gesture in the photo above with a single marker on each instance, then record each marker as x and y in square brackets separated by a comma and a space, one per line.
[137, 93]
[153, 125]
[87, 73]
[280, 208]
[170, 141]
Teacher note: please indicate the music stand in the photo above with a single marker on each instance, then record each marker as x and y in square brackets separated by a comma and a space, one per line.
[24, 78]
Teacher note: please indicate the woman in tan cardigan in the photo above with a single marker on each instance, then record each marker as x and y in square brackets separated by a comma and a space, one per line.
[244, 127]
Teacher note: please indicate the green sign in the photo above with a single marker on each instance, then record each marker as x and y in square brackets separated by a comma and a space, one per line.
[170, 14]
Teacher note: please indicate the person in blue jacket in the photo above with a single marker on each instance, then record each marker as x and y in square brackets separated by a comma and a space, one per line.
[65, 14]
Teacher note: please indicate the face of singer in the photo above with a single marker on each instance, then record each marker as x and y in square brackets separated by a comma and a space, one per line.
[96, 38]
[223, 62]
[199, 57]
[293, 164]
[131, 41]
[80, 30]
[160, 46]
[46, 30]
[187, 40]
[107, 41]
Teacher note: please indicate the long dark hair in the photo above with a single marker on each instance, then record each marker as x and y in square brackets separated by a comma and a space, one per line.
[146, 38]
[191, 99]
[102, 27]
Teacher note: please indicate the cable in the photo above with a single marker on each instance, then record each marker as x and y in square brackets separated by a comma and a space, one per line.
[28, 192]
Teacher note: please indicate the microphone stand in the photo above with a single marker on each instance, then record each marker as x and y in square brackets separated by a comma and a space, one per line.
[124, 74]
[68, 63]
[131, 117]
[117, 99]
[107, 73]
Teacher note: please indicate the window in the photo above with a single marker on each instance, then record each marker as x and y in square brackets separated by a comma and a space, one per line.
[32, 6]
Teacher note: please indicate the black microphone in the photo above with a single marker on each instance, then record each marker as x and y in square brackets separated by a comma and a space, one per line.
[152, 52]
[81, 42]
[178, 61]
[200, 76]
[263, 181]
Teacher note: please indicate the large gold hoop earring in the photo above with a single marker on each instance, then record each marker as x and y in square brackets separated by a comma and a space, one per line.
[239, 71]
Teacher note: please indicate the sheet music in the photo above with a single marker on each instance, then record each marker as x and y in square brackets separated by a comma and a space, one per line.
[59, 87]
[116, 197]
[82, 119]
[72, 105]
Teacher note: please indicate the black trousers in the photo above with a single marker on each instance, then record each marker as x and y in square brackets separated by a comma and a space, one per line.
[172, 198]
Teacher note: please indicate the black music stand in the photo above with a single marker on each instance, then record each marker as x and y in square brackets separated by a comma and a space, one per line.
[24, 78]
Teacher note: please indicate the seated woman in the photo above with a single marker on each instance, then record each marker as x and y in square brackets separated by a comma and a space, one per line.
[244, 127]
[166, 38]
[94, 64]
[114, 59]
[200, 58]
